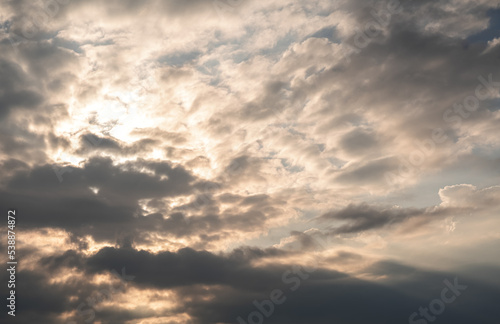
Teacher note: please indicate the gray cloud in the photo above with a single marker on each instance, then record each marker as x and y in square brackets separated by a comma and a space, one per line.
[178, 134]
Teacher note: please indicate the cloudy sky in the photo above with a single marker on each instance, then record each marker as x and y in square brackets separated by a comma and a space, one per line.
[245, 161]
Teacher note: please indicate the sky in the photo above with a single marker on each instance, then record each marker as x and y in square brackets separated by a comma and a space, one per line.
[245, 161]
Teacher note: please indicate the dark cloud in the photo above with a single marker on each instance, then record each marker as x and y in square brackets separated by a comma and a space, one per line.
[91, 143]
[358, 141]
[323, 296]
[70, 203]
[265, 127]
[348, 300]
[15, 89]
[367, 172]
[359, 218]
[65, 197]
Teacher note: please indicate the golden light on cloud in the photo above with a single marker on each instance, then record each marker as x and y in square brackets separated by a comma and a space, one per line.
[201, 156]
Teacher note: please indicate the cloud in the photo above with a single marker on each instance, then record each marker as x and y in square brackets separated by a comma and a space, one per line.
[469, 196]
[209, 151]
[324, 296]
[363, 217]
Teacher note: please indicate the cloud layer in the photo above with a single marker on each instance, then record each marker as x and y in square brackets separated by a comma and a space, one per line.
[340, 154]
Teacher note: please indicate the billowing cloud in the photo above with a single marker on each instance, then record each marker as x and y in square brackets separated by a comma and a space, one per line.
[216, 150]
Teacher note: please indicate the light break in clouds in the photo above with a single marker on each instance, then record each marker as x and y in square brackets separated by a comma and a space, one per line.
[244, 161]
